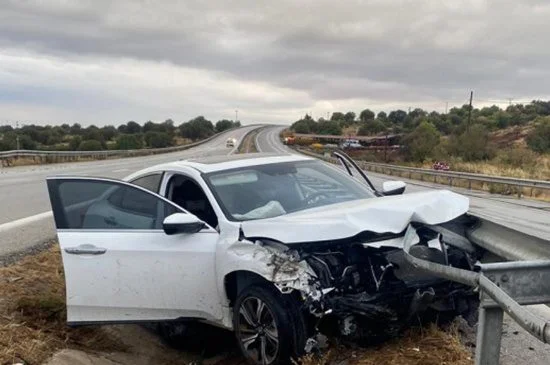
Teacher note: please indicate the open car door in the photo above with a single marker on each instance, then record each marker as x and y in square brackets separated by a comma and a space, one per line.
[120, 264]
[388, 187]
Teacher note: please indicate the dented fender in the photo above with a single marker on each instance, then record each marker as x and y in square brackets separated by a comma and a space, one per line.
[280, 267]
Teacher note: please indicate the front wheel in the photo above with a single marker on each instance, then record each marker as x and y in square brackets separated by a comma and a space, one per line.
[269, 328]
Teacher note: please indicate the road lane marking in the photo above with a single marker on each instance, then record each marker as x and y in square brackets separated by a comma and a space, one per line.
[24, 221]
[121, 170]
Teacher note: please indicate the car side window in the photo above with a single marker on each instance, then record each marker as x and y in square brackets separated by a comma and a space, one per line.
[149, 182]
[96, 204]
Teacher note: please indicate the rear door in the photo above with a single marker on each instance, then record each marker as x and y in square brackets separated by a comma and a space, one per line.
[119, 264]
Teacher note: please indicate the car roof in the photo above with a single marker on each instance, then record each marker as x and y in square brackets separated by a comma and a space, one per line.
[227, 162]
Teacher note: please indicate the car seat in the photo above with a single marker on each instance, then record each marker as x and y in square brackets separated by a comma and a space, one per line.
[191, 197]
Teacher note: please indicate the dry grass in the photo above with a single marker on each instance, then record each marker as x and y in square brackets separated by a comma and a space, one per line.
[431, 346]
[247, 145]
[32, 312]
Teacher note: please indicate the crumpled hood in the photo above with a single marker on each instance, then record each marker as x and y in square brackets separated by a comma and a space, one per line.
[390, 214]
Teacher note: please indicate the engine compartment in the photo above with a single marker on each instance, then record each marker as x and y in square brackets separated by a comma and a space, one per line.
[370, 292]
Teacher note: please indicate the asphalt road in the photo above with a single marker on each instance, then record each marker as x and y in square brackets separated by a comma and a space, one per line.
[525, 215]
[25, 217]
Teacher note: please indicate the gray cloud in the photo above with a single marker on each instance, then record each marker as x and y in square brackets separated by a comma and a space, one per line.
[353, 54]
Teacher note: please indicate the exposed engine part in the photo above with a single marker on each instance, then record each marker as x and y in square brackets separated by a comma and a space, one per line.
[374, 289]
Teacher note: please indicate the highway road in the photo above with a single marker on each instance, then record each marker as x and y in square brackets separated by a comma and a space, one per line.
[24, 210]
[525, 215]
[25, 217]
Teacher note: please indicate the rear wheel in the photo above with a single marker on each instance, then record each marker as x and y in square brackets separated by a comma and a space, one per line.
[269, 327]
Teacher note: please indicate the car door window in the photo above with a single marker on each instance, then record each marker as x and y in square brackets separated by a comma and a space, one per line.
[97, 204]
[149, 182]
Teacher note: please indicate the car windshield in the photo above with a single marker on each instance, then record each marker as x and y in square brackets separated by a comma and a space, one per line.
[272, 190]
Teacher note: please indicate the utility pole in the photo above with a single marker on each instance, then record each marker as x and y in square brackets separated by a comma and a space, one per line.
[470, 111]
[17, 135]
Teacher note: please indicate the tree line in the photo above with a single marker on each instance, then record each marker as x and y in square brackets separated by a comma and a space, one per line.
[461, 132]
[130, 135]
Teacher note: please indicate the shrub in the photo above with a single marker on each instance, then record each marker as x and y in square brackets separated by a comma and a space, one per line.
[129, 142]
[90, 145]
[539, 138]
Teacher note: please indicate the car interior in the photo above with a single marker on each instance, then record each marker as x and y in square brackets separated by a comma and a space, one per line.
[189, 195]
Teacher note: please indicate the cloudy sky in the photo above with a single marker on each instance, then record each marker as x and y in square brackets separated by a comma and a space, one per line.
[100, 61]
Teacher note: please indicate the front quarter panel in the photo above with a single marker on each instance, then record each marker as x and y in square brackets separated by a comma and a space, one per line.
[269, 262]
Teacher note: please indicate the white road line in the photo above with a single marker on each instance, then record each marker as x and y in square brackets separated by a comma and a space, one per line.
[23, 221]
[121, 170]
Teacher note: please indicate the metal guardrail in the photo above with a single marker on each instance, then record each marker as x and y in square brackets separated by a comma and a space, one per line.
[451, 175]
[56, 156]
[504, 287]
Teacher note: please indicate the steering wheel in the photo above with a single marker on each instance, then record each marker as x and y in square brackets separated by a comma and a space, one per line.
[310, 199]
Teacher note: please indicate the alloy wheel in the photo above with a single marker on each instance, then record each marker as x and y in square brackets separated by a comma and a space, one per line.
[257, 331]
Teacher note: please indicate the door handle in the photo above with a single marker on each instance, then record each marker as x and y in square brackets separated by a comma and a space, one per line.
[85, 250]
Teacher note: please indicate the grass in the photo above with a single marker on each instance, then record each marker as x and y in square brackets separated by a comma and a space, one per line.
[32, 312]
[431, 346]
[248, 144]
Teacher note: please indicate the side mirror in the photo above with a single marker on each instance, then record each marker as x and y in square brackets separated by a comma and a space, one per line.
[182, 223]
[393, 187]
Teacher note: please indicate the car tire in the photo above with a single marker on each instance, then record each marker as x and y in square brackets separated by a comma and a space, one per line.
[269, 326]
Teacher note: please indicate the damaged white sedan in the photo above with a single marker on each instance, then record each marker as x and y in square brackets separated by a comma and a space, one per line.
[275, 248]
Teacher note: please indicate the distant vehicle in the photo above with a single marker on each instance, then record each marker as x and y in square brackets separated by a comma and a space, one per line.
[289, 140]
[231, 142]
[442, 166]
[350, 143]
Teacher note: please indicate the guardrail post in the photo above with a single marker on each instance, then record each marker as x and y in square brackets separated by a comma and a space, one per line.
[489, 334]
[469, 184]
[519, 192]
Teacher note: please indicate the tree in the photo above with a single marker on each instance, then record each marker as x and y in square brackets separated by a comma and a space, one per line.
[329, 127]
[109, 132]
[75, 143]
[539, 138]
[349, 119]
[371, 127]
[158, 139]
[382, 116]
[397, 116]
[306, 125]
[471, 145]
[123, 128]
[421, 142]
[149, 126]
[76, 129]
[337, 116]
[197, 128]
[133, 127]
[223, 125]
[90, 145]
[6, 128]
[129, 142]
[366, 115]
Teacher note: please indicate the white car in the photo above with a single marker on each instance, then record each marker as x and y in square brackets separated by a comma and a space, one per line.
[275, 248]
[231, 142]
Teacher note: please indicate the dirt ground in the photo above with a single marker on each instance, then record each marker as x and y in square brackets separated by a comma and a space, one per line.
[33, 331]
